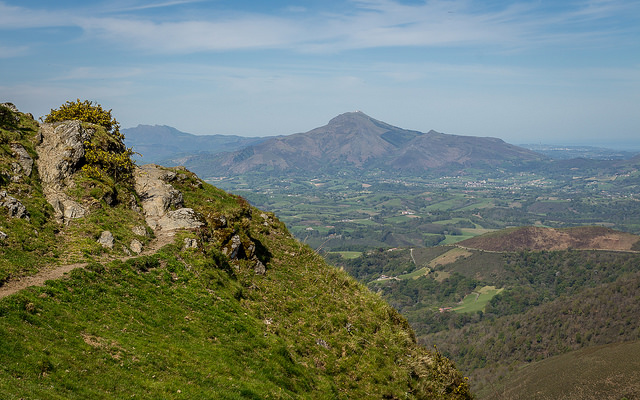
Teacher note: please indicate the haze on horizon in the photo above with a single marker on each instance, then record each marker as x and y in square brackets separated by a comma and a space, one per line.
[523, 71]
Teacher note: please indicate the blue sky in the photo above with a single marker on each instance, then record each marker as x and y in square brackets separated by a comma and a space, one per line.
[525, 71]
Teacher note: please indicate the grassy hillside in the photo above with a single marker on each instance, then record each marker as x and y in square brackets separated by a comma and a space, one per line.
[236, 308]
[610, 372]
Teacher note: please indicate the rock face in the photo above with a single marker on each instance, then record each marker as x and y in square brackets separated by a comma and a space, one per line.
[158, 197]
[24, 164]
[59, 156]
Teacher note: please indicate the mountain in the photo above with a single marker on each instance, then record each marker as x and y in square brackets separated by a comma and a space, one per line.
[119, 281]
[156, 143]
[358, 142]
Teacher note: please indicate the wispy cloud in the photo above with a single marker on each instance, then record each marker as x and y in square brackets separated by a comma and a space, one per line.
[13, 51]
[148, 6]
[369, 24]
[12, 17]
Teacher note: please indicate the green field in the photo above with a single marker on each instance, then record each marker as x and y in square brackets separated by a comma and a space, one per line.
[477, 300]
[416, 274]
[347, 254]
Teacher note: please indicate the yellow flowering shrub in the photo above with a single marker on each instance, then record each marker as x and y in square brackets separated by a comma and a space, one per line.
[106, 156]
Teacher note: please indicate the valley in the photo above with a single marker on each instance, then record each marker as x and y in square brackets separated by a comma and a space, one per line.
[499, 257]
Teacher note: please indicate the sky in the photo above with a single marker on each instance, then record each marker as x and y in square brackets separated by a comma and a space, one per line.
[539, 71]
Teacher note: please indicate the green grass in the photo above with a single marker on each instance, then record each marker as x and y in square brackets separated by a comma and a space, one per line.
[451, 239]
[348, 254]
[478, 300]
[416, 274]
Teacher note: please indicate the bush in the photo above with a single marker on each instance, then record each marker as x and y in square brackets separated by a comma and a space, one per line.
[105, 156]
[86, 111]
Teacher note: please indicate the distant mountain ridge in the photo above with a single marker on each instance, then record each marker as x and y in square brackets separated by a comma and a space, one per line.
[157, 143]
[357, 141]
[550, 239]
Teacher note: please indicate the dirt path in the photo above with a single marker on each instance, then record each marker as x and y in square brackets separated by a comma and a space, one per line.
[41, 277]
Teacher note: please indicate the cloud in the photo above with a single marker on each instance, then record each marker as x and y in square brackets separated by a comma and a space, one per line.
[368, 24]
[12, 17]
[158, 5]
[13, 51]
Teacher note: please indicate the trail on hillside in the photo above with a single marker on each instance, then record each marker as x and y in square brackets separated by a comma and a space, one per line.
[38, 279]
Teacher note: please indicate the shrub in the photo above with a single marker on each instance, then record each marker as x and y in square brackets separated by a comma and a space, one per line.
[106, 156]
[86, 111]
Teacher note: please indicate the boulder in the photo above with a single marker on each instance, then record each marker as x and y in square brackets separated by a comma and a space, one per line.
[14, 207]
[183, 218]
[106, 240]
[259, 268]
[233, 248]
[139, 230]
[190, 243]
[136, 246]
[156, 196]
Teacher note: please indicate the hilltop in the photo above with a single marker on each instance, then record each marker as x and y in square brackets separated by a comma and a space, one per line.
[538, 238]
[230, 306]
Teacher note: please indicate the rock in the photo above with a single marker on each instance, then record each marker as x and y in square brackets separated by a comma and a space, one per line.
[106, 240]
[10, 106]
[218, 221]
[3, 235]
[61, 150]
[136, 246]
[259, 268]
[156, 196]
[15, 208]
[24, 165]
[139, 230]
[184, 218]
[234, 247]
[190, 243]
[65, 208]
[60, 154]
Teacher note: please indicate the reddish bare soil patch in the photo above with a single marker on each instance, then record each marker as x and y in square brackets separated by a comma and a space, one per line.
[535, 238]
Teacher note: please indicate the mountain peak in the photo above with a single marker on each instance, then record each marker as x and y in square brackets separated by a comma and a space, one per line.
[349, 117]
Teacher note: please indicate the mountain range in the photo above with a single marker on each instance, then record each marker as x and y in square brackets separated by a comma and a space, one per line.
[156, 143]
[358, 142]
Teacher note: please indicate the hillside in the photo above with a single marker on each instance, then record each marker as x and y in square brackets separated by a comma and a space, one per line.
[608, 372]
[232, 307]
[538, 238]
[157, 143]
[357, 142]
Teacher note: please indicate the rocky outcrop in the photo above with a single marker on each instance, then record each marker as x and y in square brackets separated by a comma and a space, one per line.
[14, 207]
[60, 154]
[24, 163]
[158, 198]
